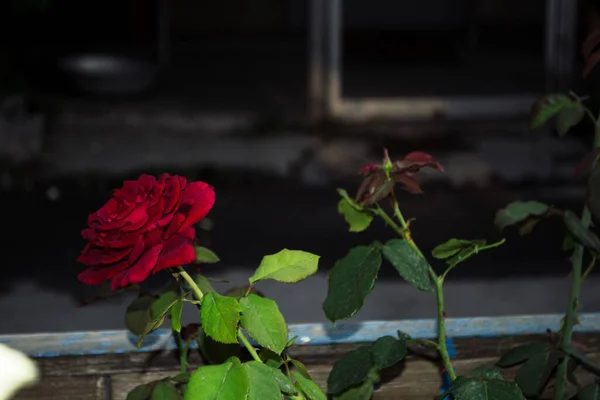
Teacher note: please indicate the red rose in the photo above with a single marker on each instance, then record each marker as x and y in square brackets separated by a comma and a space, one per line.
[147, 226]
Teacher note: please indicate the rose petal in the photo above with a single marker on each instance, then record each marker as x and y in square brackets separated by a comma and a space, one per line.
[175, 225]
[369, 169]
[136, 219]
[177, 251]
[197, 200]
[137, 251]
[98, 275]
[139, 271]
[408, 183]
[172, 193]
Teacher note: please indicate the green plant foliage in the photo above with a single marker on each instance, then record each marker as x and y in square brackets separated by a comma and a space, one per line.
[350, 281]
[519, 212]
[581, 233]
[357, 220]
[352, 369]
[464, 388]
[287, 266]
[263, 321]
[308, 387]
[410, 265]
[205, 256]
[535, 372]
[548, 107]
[388, 351]
[589, 392]
[220, 316]
[164, 391]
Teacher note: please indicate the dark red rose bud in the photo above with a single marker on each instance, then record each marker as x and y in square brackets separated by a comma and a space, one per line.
[376, 186]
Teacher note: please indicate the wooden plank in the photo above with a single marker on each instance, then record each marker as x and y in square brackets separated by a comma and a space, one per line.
[416, 379]
[121, 341]
[110, 364]
[66, 388]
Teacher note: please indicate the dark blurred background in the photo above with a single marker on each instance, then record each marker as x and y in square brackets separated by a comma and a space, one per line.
[277, 103]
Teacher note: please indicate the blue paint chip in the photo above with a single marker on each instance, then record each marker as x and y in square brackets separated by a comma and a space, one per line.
[446, 382]
[451, 348]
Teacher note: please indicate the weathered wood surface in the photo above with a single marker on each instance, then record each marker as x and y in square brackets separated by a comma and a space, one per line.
[112, 376]
[121, 341]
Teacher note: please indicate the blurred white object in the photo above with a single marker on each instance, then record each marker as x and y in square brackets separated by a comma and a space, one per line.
[16, 372]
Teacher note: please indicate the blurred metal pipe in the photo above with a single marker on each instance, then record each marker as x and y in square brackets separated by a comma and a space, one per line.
[316, 60]
[334, 67]
[436, 108]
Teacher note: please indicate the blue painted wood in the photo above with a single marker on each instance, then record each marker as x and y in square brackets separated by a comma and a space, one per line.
[121, 341]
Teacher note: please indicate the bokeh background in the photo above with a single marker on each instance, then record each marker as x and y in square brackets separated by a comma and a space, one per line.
[277, 103]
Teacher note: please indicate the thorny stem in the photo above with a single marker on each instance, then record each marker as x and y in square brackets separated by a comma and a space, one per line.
[589, 268]
[248, 346]
[183, 353]
[570, 318]
[404, 232]
[198, 293]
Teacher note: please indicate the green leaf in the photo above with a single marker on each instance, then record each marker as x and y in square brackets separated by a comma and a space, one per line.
[519, 211]
[157, 312]
[176, 315]
[214, 352]
[352, 369]
[218, 382]
[522, 353]
[572, 366]
[584, 236]
[263, 385]
[474, 389]
[487, 372]
[410, 265]
[568, 117]
[589, 392]
[264, 323]
[270, 358]
[205, 256]
[291, 341]
[450, 248]
[141, 392]
[534, 374]
[358, 220]
[285, 384]
[302, 370]
[350, 281]
[547, 107]
[164, 391]
[220, 316]
[456, 251]
[364, 391]
[388, 351]
[593, 194]
[309, 388]
[287, 266]
[577, 355]
[137, 314]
